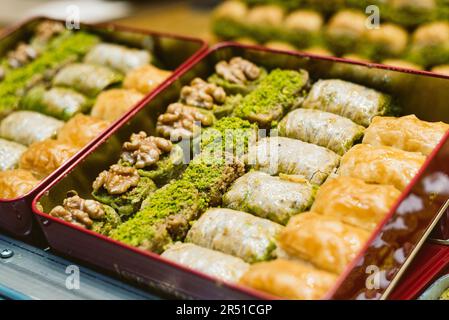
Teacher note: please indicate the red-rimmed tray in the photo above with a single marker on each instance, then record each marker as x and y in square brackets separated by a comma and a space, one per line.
[389, 251]
[174, 52]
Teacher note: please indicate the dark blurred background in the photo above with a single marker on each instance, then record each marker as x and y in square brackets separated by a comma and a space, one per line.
[182, 17]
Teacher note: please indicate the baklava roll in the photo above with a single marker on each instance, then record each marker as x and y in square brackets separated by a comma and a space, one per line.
[345, 30]
[112, 104]
[117, 57]
[123, 189]
[277, 155]
[28, 127]
[410, 12]
[278, 93]
[441, 69]
[280, 45]
[86, 213]
[324, 5]
[321, 128]
[10, 153]
[303, 27]
[350, 100]
[228, 20]
[407, 133]
[44, 157]
[145, 78]
[61, 103]
[212, 175]
[183, 122]
[382, 165]
[399, 63]
[213, 263]
[237, 76]
[89, 79]
[430, 44]
[273, 198]
[289, 279]
[16, 183]
[81, 129]
[324, 241]
[154, 157]
[165, 217]
[236, 233]
[318, 50]
[355, 202]
[389, 40]
[264, 21]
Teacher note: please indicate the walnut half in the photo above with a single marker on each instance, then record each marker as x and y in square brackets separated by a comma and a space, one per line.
[238, 70]
[117, 180]
[79, 211]
[47, 29]
[202, 94]
[180, 120]
[143, 151]
[23, 54]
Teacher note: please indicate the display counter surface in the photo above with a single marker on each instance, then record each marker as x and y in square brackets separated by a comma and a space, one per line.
[35, 273]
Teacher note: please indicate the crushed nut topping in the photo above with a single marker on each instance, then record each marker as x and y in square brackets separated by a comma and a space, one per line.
[79, 211]
[47, 29]
[23, 54]
[238, 70]
[117, 180]
[179, 121]
[202, 94]
[143, 151]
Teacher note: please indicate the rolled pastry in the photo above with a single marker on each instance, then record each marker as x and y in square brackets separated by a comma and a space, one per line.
[81, 129]
[407, 133]
[430, 44]
[274, 198]
[289, 279]
[278, 93]
[389, 40]
[126, 203]
[210, 262]
[16, 183]
[61, 103]
[236, 233]
[382, 165]
[89, 79]
[293, 157]
[324, 241]
[358, 103]
[321, 128]
[44, 157]
[145, 78]
[355, 202]
[28, 127]
[117, 57]
[345, 30]
[10, 153]
[114, 103]
[237, 76]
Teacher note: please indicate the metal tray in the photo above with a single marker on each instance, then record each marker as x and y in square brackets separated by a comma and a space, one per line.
[392, 246]
[172, 51]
